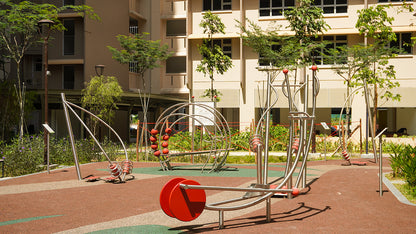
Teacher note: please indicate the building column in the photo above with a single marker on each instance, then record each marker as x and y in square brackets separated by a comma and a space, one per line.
[358, 112]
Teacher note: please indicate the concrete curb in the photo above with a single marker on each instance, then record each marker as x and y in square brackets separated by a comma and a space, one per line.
[395, 191]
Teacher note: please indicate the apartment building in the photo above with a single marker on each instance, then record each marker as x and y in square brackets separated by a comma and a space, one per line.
[243, 85]
[74, 53]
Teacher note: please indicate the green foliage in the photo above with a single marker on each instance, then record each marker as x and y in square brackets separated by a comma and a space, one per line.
[213, 58]
[284, 51]
[403, 163]
[27, 157]
[145, 53]
[279, 138]
[19, 31]
[100, 97]
[374, 23]
[306, 21]
[280, 51]
[215, 93]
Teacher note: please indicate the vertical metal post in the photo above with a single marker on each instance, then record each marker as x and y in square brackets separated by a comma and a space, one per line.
[221, 219]
[268, 210]
[266, 143]
[71, 136]
[305, 126]
[193, 130]
[47, 160]
[325, 147]
[381, 165]
[45, 72]
[259, 166]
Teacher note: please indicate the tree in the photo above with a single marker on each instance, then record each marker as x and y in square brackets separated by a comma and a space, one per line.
[285, 51]
[19, 31]
[213, 58]
[142, 55]
[374, 23]
[100, 97]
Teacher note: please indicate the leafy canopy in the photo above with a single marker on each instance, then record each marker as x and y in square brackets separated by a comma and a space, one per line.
[282, 50]
[146, 53]
[213, 58]
[100, 96]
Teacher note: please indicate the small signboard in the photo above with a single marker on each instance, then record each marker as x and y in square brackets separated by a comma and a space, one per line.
[325, 125]
[209, 118]
[49, 129]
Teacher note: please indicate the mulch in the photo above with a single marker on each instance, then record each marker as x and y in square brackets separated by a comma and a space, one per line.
[345, 200]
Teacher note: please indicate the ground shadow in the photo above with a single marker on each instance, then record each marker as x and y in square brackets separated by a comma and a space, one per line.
[297, 214]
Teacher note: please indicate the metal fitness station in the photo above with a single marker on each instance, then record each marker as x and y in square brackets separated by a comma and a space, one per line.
[119, 172]
[186, 199]
[217, 136]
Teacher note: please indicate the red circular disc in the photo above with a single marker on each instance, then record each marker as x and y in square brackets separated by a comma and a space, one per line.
[165, 194]
[187, 204]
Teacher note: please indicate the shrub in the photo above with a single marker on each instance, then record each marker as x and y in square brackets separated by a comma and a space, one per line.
[403, 163]
[26, 157]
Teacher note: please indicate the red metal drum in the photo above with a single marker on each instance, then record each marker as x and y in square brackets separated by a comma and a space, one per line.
[165, 194]
[187, 204]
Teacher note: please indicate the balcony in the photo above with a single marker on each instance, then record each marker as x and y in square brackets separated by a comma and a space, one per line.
[176, 44]
[173, 9]
[174, 83]
[134, 10]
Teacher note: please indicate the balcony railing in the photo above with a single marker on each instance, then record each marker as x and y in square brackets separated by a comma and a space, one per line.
[134, 30]
[174, 9]
[174, 84]
[176, 44]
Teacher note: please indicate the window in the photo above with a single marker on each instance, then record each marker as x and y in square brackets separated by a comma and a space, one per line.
[274, 7]
[69, 2]
[69, 37]
[266, 62]
[176, 64]
[333, 43]
[175, 28]
[38, 64]
[216, 5]
[225, 45]
[69, 77]
[332, 6]
[381, 1]
[403, 43]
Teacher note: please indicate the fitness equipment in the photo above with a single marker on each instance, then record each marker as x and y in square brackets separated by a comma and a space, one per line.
[118, 171]
[217, 136]
[185, 199]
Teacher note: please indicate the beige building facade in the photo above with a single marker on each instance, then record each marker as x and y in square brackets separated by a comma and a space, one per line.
[74, 53]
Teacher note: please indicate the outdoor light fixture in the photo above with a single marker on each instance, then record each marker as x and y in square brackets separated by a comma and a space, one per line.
[45, 23]
[99, 69]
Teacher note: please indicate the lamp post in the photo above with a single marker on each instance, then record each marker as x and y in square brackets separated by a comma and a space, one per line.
[99, 69]
[45, 24]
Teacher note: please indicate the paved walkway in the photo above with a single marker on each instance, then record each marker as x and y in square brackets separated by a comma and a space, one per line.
[338, 200]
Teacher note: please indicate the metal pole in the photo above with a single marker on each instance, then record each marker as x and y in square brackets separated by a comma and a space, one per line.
[266, 144]
[268, 210]
[45, 75]
[381, 165]
[221, 219]
[380, 138]
[71, 136]
[47, 136]
[325, 147]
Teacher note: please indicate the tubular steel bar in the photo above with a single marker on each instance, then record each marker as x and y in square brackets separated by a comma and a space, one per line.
[299, 143]
[68, 105]
[71, 136]
[221, 188]
[380, 157]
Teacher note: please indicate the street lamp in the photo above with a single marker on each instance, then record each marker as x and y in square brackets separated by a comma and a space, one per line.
[45, 24]
[99, 69]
